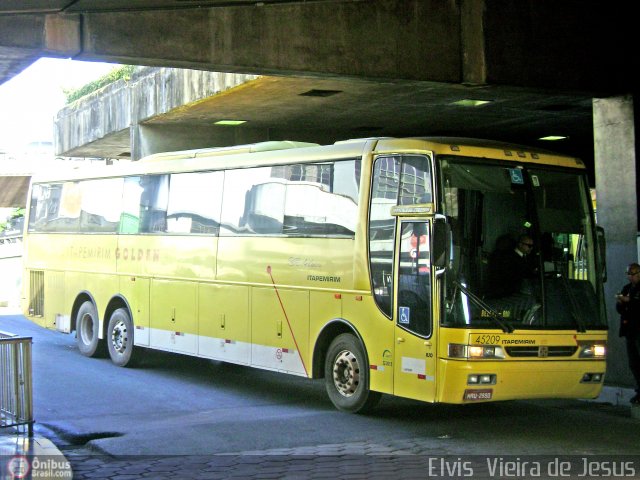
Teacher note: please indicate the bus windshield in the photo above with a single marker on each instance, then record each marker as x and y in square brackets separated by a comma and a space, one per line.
[523, 248]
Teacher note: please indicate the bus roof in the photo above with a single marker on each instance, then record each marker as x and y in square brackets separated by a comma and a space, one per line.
[479, 148]
[232, 150]
[277, 153]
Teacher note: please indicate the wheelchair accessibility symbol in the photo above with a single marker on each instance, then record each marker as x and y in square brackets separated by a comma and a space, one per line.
[404, 315]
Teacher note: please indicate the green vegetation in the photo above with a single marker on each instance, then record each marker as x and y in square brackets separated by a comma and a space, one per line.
[13, 223]
[120, 73]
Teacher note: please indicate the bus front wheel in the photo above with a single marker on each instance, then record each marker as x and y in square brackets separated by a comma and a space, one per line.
[87, 328]
[120, 338]
[346, 375]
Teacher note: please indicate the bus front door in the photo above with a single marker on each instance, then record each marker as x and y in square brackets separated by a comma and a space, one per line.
[415, 352]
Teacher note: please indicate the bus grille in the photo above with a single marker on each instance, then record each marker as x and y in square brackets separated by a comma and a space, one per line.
[36, 294]
[542, 351]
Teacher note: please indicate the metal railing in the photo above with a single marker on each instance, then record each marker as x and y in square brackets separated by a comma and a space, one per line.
[16, 393]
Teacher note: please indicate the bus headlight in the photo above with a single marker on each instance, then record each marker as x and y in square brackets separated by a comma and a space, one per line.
[593, 351]
[474, 352]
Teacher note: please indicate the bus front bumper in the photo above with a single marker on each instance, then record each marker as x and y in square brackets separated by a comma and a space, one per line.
[475, 381]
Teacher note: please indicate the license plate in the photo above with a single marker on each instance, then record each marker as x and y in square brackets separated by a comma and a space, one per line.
[480, 394]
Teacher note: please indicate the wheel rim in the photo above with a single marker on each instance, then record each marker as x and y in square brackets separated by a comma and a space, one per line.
[346, 373]
[119, 337]
[86, 329]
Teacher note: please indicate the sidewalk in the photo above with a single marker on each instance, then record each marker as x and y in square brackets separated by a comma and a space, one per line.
[35, 457]
[615, 395]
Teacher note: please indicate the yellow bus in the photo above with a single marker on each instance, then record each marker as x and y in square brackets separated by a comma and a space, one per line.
[366, 263]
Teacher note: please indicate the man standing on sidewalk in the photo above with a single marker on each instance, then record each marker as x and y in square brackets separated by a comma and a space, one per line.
[628, 306]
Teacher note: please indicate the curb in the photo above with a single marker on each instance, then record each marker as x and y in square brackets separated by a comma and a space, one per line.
[22, 456]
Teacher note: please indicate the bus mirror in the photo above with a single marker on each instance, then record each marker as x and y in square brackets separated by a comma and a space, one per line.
[441, 242]
[602, 251]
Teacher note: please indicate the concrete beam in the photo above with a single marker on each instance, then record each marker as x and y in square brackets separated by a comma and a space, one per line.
[22, 31]
[565, 45]
[569, 45]
[41, 35]
[474, 67]
[404, 39]
[25, 38]
[62, 35]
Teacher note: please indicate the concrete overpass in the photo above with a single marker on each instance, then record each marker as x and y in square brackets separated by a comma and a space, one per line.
[572, 44]
[539, 62]
[341, 68]
[160, 109]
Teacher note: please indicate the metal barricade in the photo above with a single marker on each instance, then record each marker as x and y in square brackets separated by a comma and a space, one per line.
[16, 394]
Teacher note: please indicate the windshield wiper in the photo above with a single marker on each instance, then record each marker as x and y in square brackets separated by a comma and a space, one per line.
[499, 319]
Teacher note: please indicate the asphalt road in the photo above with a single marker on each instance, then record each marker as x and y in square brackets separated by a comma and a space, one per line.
[177, 405]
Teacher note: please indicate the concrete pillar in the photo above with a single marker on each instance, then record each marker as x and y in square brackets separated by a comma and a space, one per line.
[616, 196]
[472, 35]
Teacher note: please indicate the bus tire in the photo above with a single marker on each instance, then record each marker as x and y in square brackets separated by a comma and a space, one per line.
[346, 375]
[120, 339]
[87, 331]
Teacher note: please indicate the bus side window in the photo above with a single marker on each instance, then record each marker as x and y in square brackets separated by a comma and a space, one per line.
[384, 194]
[195, 202]
[153, 203]
[100, 205]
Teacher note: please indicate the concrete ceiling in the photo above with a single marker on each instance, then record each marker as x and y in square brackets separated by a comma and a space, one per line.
[324, 110]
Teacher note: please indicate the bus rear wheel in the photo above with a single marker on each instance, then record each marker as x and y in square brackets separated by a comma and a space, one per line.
[346, 376]
[120, 339]
[87, 329]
